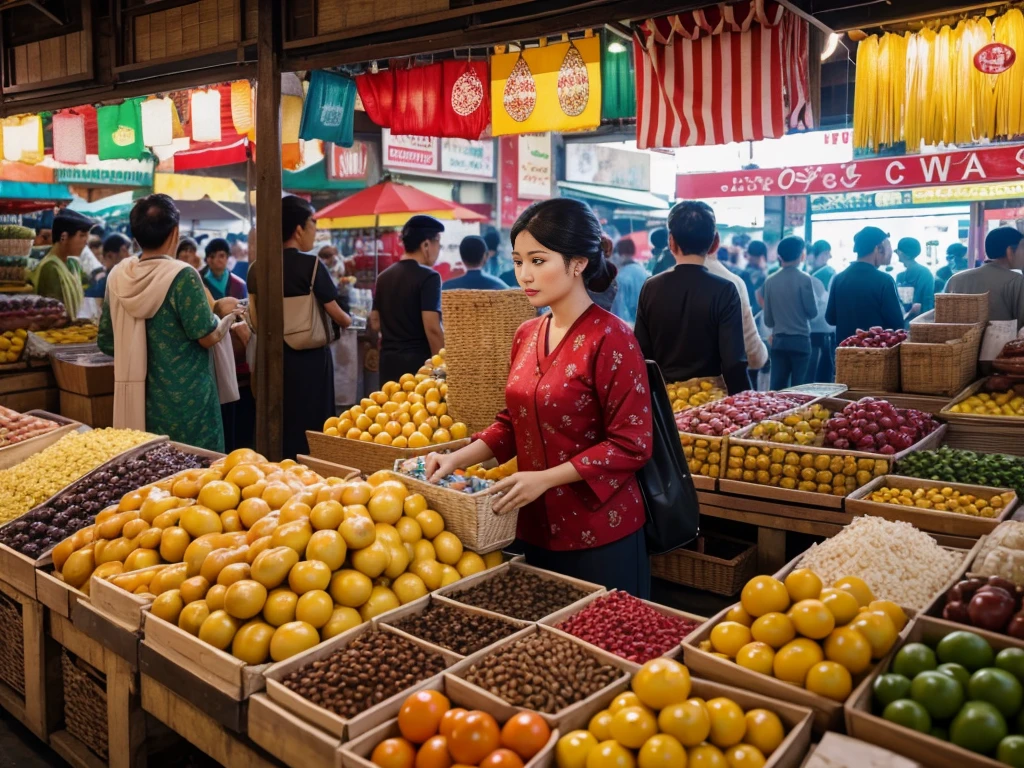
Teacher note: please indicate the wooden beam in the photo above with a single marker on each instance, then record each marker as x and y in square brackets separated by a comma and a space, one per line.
[269, 265]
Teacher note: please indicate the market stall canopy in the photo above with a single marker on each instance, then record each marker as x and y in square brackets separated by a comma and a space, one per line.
[110, 207]
[26, 196]
[626, 198]
[388, 204]
[207, 212]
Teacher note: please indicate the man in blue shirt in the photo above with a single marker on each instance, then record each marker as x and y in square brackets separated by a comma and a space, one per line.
[916, 284]
[473, 251]
[863, 297]
[631, 279]
[116, 248]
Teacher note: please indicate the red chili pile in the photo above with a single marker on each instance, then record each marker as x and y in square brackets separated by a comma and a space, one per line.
[621, 624]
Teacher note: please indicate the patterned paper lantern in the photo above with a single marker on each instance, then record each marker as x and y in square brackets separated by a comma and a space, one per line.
[69, 137]
[241, 106]
[157, 123]
[23, 139]
[205, 109]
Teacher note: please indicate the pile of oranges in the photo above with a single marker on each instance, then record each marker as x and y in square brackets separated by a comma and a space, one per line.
[798, 632]
[436, 735]
[408, 413]
[658, 724]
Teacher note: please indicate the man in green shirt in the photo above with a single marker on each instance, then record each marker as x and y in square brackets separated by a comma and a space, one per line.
[59, 274]
[916, 284]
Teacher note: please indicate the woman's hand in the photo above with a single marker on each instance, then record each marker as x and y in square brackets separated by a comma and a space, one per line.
[519, 490]
[439, 465]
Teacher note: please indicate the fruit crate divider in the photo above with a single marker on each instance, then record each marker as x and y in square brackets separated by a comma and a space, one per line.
[929, 520]
[288, 737]
[927, 750]
[341, 727]
[117, 605]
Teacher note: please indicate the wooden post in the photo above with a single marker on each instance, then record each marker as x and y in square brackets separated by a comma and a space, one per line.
[268, 264]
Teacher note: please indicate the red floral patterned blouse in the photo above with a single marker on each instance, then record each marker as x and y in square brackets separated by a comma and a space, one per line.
[587, 402]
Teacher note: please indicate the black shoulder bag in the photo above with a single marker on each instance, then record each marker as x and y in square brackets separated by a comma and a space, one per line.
[673, 512]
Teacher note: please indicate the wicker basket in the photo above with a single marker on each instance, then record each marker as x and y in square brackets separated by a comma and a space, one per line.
[961, 308]
[12, 649]
[85, 703]
[16, 247]
[942, 368]
[468, 516]
[875, 369]
[924, 329]
[368, 457]
[692, 567]
[479, 327]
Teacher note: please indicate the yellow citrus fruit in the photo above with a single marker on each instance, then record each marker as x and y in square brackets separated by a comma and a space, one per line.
[632, 726]
[687, 721]
[661, 682]
[728, 637]
[623, 701]
[878, 629]
[430, 522]
[744, 756]
[727, 722]
[739, 614]
[775, 629]
[601, 725]
[795, 658]
[220, 496]
[850, 648]
[418, 440]
[841, 604]
[758, 657]
[448, 548]
[899, 618]
[661, 751]
[856, 587]
[706, 756]
[764, 594]
[812, 619]
[415, 504]
[356, 493]
[830, 680]
[803, 584]
[386, 506]
[573, 748]
[764, 730]
[610, 754]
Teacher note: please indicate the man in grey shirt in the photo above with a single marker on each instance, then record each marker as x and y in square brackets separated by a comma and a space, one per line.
[789, 308]
[1004, 248]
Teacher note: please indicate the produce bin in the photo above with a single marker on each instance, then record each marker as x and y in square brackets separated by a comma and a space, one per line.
[961, 307]
[869, 367]
[369, 457]
[705, 456]
[941, 367]
[858, 503]
[467, 515]
[288, 737]
[862, 724]
[719, 564]
[83, 373]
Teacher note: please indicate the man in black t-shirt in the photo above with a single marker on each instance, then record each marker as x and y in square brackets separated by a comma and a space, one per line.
[407, 302]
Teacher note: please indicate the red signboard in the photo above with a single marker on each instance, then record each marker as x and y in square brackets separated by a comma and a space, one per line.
[347, 163]
[976, 166]
[995, 58]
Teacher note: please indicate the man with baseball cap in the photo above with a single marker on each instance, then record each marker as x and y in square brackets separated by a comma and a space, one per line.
[998, 276]
[916, 283]
[407, 302]
[863, 297]
[59, 274]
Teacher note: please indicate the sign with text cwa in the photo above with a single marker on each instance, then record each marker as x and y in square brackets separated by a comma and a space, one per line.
[975, 166]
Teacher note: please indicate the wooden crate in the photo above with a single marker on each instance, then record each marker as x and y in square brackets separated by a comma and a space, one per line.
[95, 411]
[83, 374]
[927, 403]
[26, 390]
[862, 724]
[288, 737]
[368, 457]
[952, 523]
[122, 608]
[33, 705]
[328, 468]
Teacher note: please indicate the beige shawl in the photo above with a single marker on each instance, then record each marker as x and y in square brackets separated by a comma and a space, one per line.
[135, 290]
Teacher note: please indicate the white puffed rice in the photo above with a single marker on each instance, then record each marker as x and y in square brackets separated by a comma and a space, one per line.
[899, 562]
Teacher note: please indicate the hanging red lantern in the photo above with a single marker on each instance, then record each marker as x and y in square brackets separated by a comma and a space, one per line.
[995, 58]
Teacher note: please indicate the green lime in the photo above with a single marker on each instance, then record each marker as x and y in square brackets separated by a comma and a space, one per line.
[999, 688]
[1011, 751]
[939, 693]
[912, 659]
[957, 671]
[978, 727]
[1012, 660]
[909, 714]
[965, 648]
[887, 688]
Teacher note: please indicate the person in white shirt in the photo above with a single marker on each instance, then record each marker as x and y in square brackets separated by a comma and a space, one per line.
[757, 352]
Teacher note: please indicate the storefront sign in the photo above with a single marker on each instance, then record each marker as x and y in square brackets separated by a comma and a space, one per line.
[347, 163]
[860, 201]
[1004, 214]
[969, 193]
[509, 203]
[468, 158]
[122, 173]
[534, 174]
[608, 166]
[410, 153]
[994, 58]
[963, 167]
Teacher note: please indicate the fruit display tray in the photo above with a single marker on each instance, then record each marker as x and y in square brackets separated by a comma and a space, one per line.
[369, 457]
[468, 515]
[356, 753]
[858, 504]
[863, 724]
[18, 452]
[123, 608]
[1013, 422]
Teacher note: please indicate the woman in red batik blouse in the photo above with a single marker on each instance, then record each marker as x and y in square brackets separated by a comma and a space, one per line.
[578, 410]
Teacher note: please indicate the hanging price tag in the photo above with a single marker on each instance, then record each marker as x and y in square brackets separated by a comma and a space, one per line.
[995, 58]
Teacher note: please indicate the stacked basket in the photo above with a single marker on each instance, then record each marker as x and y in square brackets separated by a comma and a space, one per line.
[941, 358]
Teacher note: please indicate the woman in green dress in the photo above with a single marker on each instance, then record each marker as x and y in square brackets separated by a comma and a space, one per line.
[157, 317]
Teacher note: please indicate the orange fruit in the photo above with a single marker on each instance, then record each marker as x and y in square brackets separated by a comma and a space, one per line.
[794, 659]
[449, 719]
[502, 758]
[242, 456]
[420, 715]
[812, 619]
[775, 629]
[474, 737]
[727, 722]
[764, 730]
[879, 630]
[394, 753]
[632, 726]
[829, 679]
[244, 475]
[803, 584]
[729, 636]
[841, 604]
[525, 733]
[764, 594]
[856, 587]
[573, 748]
[434, 753]
[220, 495]
[850, 648]
[662, 682]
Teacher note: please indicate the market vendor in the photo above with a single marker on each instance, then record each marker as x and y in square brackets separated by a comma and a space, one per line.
[862, 296]
[219, 280]
[1004, 253]
[916, 283]
[578, 413]
[59, 274]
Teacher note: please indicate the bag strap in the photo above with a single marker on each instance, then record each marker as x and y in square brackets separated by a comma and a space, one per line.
[312, 280]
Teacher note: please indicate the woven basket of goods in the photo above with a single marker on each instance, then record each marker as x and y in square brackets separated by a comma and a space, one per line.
[944, 367]
[12, 650]
[85, 703]
[16, 240]
[870, 360]
[961, 308]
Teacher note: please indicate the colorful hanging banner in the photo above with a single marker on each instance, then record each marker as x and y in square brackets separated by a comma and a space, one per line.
[122, 173]
[466, 104]
[328, 113]
[157, 123]
[120, 131]
[377, 93]
[23, 139]
[206, 118]
[553, 88]
[417, 109]
[241, 106]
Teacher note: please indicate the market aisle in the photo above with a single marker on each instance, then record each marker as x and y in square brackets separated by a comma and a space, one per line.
[20, 748]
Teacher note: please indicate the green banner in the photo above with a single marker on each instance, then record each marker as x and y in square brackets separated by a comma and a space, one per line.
[123, 173]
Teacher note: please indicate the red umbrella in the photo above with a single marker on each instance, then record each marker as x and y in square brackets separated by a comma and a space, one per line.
[382, 199]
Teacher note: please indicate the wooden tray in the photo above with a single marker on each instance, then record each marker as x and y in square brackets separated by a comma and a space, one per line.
[927, 750]
[18, 452]
[339, 727]
[368, 457]
[952, 523]
[468, 515]
[1015, 422]
[356, 753]
[328, 468]
[290, 739]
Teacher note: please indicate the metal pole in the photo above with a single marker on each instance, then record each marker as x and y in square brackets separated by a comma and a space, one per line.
[268, 266]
